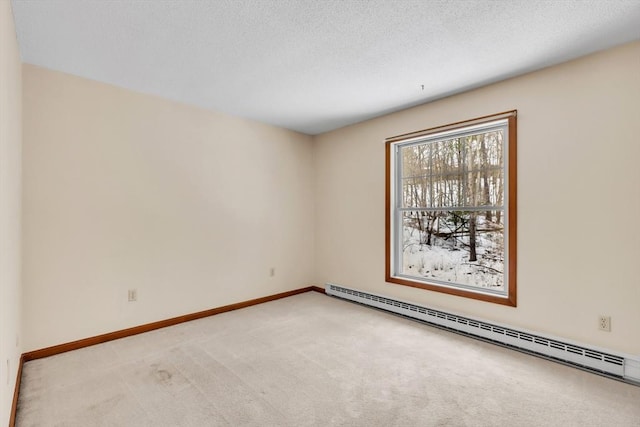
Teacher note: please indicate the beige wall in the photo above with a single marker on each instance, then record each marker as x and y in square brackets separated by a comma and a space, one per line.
[192, 208]
[578, 199]
[10, 202]
[129, 191]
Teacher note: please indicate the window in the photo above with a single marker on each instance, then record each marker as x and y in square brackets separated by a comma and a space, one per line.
[451, 209]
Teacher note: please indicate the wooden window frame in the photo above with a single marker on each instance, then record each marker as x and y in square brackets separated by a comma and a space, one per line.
[510, 299]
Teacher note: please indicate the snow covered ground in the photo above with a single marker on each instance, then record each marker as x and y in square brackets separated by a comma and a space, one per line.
[447, 260]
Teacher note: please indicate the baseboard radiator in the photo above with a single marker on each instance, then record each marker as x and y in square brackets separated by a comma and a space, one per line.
[624, 367]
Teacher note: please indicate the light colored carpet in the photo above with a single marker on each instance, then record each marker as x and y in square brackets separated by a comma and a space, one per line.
[312, 360]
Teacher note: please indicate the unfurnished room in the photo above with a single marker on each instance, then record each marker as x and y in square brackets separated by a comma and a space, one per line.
[319, 213]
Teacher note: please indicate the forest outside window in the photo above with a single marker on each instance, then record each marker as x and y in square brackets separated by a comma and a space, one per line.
[451, 209]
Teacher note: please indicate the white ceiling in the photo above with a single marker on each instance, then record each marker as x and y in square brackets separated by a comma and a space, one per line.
[313, 65]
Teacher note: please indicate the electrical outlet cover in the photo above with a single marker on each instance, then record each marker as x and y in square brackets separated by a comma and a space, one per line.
[604, 323]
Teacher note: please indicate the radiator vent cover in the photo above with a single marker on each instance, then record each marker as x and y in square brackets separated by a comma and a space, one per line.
[584, 357]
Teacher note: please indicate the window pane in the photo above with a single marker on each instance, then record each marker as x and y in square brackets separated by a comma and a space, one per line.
[452, 247]
[457, 172]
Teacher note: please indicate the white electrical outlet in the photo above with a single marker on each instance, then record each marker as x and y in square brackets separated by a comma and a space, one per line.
[133, 295]
[604, 323]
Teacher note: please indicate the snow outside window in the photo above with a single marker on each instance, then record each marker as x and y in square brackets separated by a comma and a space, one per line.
[451, 224]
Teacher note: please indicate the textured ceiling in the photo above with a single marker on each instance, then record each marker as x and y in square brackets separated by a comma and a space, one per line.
[313, 65]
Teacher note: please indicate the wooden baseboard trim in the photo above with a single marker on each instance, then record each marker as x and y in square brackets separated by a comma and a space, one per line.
[86, 342]
[16, 393]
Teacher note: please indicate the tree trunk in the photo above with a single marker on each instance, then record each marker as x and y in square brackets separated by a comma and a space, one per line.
[500, 183]
[485, 178]
[472, 237]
